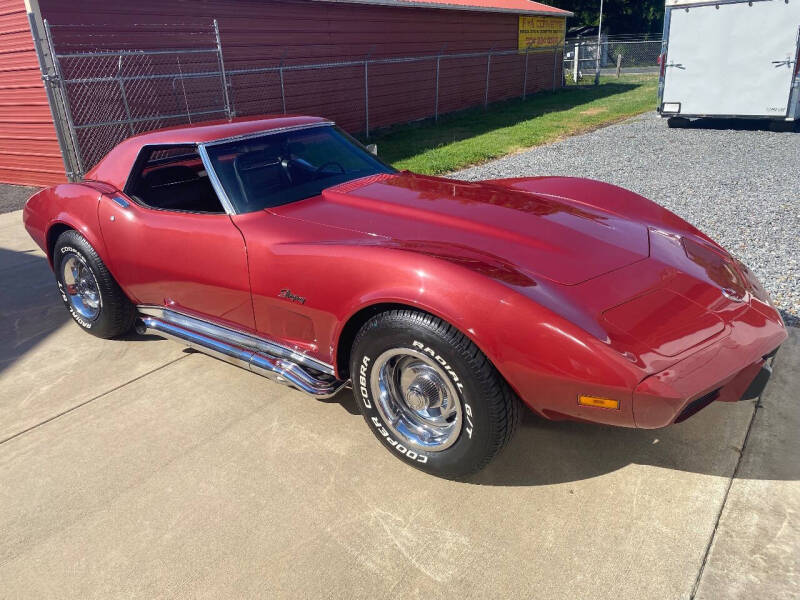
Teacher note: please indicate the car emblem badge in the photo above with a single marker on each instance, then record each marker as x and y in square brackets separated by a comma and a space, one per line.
[732, 295]
[287, 293]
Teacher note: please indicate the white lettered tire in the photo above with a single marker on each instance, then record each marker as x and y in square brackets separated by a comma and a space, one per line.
[89, 292]
[430, 395]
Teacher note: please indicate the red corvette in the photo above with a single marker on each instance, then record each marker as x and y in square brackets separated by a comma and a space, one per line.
[285, 247]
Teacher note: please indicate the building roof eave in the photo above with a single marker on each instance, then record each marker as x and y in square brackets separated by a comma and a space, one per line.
[454, 5]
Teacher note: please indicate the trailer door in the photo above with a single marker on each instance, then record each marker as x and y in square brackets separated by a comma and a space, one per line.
[731, 59]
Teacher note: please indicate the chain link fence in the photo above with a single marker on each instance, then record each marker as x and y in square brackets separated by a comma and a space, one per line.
[616, 57]
[376, 92]
[114, 96]
[106, 88]
[103, 96]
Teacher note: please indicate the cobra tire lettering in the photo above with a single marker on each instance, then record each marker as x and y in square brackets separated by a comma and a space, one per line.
[454, 376]
[362, 381]
[362, 384]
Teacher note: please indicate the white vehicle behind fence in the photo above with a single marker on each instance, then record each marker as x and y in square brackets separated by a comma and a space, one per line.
[730, 58]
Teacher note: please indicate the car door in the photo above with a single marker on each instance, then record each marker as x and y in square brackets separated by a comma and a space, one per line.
[171, 243]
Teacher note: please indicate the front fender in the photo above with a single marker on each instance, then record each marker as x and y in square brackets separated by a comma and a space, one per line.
[544, 357]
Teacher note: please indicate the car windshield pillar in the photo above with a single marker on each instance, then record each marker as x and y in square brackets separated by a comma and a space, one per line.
[215, 182]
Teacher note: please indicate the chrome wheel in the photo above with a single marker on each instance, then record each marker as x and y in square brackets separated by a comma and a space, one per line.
[416, 399]
[80, 286]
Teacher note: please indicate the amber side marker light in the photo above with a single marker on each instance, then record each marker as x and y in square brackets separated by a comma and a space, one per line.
[598, 402]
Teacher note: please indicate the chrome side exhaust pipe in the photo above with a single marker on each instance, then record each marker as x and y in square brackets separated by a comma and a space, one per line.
[279, 369]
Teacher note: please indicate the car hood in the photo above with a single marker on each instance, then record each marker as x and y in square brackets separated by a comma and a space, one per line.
[562, 240]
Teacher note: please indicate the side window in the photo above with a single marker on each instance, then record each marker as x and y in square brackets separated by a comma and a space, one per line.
[173, 178]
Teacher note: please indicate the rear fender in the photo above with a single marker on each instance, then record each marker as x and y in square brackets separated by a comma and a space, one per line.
[70, 205]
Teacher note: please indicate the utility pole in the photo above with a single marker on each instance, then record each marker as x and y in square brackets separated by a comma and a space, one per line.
[599, 31]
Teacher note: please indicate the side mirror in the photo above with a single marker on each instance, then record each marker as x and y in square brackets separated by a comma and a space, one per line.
[372, 149]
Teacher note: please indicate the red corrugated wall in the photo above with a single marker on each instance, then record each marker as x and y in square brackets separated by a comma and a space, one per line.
[257, 33]
[29, 151]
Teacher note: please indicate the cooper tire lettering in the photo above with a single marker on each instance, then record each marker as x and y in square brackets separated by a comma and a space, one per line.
[420, 458]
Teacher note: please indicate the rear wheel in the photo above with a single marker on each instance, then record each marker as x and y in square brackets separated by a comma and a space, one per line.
[88, 290]
[430, 395]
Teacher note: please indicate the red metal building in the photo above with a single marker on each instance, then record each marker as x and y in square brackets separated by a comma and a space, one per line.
[38, 142]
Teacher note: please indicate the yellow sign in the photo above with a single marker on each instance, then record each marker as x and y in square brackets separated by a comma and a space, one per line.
[541, 32]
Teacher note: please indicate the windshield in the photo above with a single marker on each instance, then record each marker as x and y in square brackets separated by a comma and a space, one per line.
[278, 168]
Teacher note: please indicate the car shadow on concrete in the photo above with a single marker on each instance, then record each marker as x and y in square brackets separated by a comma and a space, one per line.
[546, 453]
[30, 306]
[30, 309]
[555, 452]
[345, 399]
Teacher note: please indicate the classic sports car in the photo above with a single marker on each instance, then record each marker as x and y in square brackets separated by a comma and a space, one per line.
[283, 246]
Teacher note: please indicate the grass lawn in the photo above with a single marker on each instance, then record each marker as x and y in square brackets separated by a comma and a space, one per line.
[476, 135]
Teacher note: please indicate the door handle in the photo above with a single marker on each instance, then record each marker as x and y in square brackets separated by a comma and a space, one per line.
[780, 63]
[121, 202]
[676, 65]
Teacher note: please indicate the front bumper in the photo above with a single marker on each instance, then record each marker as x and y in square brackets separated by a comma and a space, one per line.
[730, 370]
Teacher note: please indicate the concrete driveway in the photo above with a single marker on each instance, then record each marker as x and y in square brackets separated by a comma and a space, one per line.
[135, 468]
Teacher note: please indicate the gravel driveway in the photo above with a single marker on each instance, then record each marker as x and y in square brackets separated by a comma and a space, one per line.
[740, 187]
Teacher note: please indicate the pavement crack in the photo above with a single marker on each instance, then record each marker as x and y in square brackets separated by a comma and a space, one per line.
[713, 535]
[90, 400]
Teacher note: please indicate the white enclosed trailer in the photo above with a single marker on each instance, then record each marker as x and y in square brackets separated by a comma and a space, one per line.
[730, 58]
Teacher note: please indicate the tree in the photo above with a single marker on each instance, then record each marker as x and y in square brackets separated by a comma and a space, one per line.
[619, 16]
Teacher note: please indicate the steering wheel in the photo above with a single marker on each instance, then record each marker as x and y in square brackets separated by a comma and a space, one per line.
[321, 169]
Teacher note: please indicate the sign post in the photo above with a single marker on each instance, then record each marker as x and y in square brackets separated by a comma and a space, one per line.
[597, 62]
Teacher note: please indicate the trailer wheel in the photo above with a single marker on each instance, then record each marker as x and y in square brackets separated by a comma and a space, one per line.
[678, 122]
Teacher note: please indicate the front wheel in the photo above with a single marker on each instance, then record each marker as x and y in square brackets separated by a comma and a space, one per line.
[430, 395]
[88, 290]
